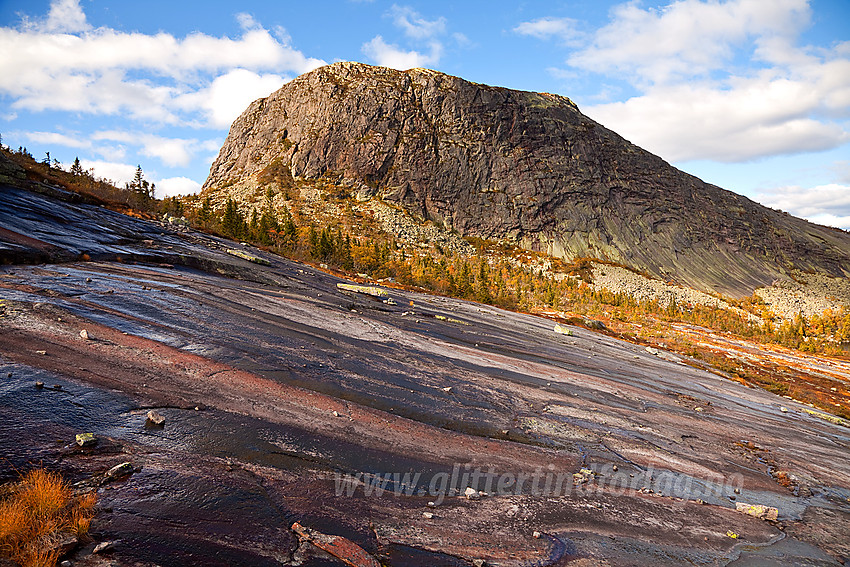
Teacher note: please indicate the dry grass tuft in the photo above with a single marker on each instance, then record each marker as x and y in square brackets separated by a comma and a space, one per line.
[38, 513]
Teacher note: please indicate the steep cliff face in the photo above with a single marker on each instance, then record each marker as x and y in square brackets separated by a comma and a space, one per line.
[524, 167]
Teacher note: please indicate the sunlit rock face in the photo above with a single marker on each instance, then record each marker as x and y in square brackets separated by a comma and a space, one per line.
[526, 168]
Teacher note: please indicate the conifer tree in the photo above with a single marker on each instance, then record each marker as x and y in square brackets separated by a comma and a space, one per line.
[77, 168]
[232, 223]
[464, 283]
[206, 213]
[289, 230]
[483, 294]
[314, 242]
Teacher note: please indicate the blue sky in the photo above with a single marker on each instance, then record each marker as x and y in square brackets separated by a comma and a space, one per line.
[751, 95]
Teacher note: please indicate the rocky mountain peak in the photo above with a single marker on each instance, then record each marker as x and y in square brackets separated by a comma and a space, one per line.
[526, 168]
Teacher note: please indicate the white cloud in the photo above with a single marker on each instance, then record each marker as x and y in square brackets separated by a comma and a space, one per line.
[64, 16]
[414, 25]
[686, 38]
[118, 173]
[110, 152]
[389, 55]
[230, 94]
[171, 186]
[172, 152]
[71, 67]
[57, 139]
[425, 34]
[825, 204]
[545, 28]
[829, 219]
[717, 80]
[757, 118]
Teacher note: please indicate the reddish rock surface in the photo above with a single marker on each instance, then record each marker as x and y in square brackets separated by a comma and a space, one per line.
[284, 405]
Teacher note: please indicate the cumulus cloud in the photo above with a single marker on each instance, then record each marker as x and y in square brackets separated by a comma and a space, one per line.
[172, 186]
[758, 118]
[230, 94]
[72, 67]
[117, 173]
[389, 55]
[425, 34]
[686, 38]
[725, 81]
[825, 204]
[64, 16]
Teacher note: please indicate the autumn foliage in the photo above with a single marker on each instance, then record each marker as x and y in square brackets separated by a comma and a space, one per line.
[37, 514]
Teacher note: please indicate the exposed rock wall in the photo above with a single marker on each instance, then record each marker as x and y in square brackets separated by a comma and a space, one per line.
[524, 167]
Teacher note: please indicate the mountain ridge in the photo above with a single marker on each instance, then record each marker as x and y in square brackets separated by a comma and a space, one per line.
[525, 168]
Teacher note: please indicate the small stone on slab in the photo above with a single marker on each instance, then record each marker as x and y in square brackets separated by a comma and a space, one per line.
[119, 471]
[86, 439]
[758, 510]
[155, 419]
[102, 546]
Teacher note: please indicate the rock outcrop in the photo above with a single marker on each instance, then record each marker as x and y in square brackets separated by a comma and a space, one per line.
[526, 168]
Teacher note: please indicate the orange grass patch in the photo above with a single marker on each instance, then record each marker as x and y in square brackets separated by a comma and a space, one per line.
[37, 514]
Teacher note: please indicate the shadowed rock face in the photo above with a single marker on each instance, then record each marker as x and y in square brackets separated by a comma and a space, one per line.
[525, 167]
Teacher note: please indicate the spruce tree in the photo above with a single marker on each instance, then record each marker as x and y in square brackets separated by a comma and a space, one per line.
[232, 223]
[483, 294]
[206, 213]
[289, 230]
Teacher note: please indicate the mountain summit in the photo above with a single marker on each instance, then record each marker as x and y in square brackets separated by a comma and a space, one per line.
[526, 168]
